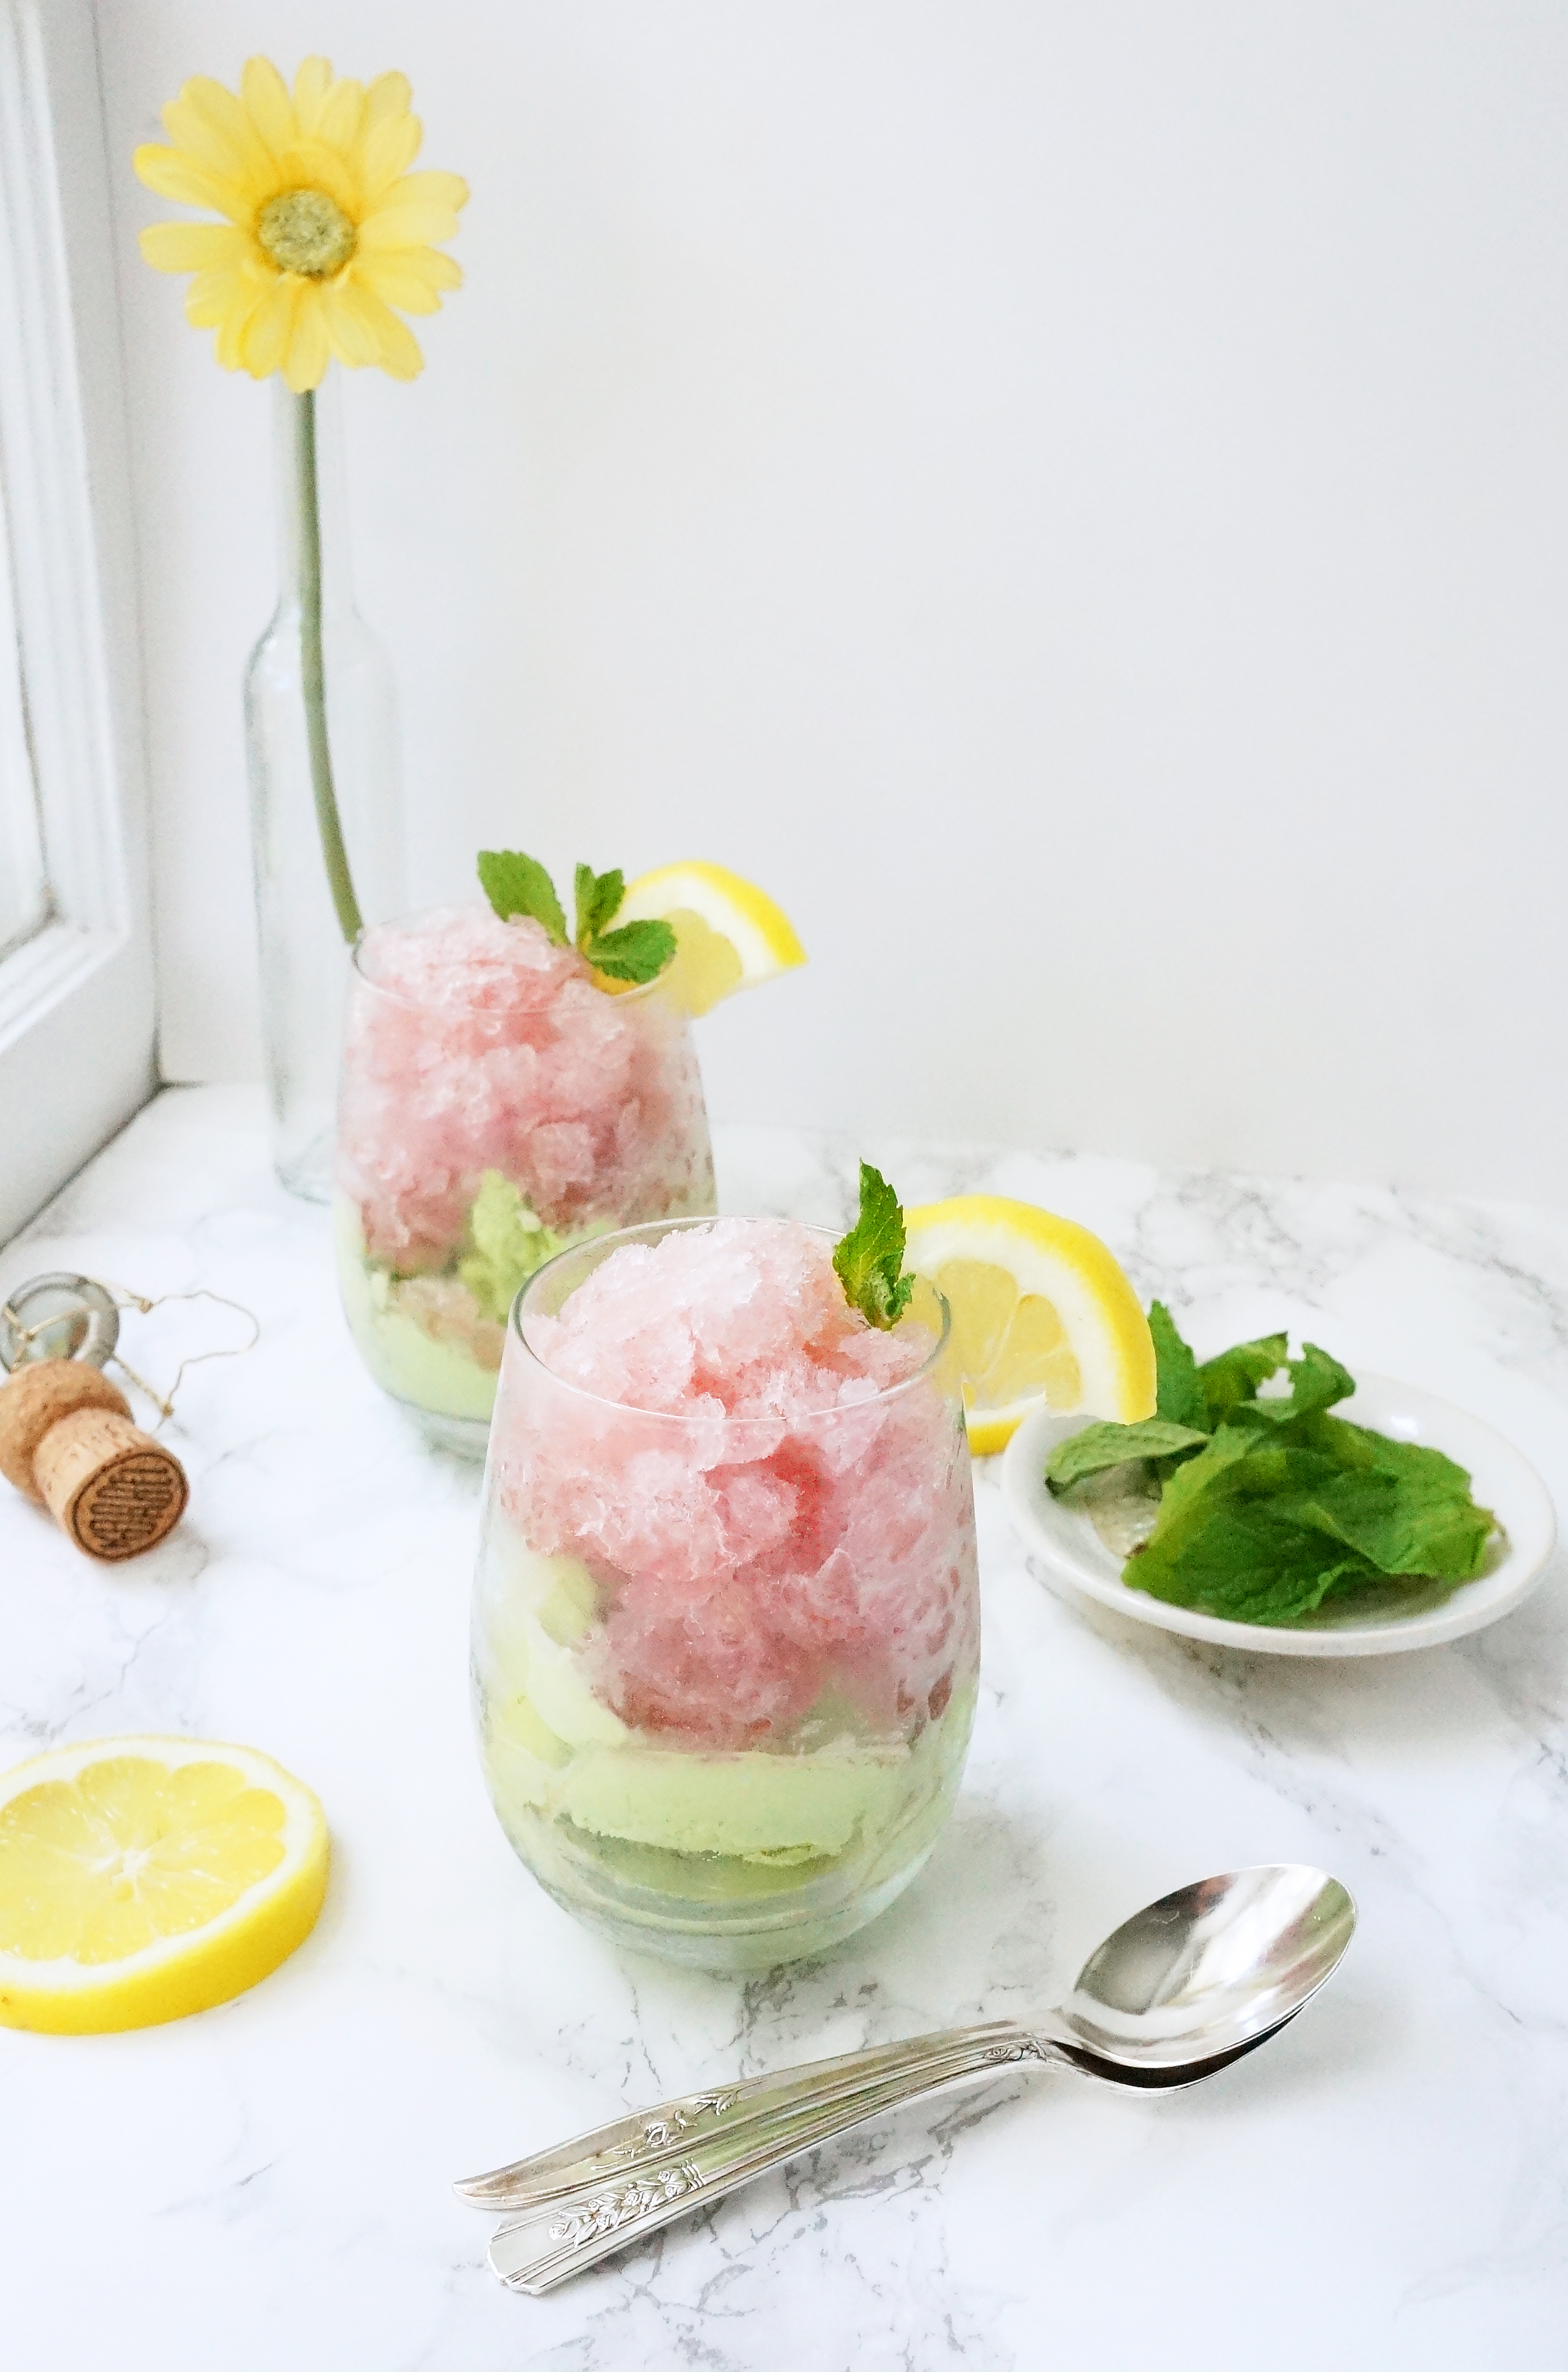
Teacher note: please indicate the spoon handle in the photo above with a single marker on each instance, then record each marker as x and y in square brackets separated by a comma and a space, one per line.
[537, 2251]
[634, 2145]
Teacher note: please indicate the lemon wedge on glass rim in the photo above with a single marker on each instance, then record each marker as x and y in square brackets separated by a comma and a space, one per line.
[728, 933]
[1042, 1313]
[145, 1877]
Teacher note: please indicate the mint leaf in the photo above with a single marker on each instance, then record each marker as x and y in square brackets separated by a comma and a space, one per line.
[1179, 1395]
[1279, 1511]
[1101, 1446]
[869, 1260]
[1236, 1374]
[598, 898]
[1317, 1381]
[516, 884]
[637, 951]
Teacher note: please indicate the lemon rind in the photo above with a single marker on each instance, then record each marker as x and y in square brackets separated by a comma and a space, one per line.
[759, 932]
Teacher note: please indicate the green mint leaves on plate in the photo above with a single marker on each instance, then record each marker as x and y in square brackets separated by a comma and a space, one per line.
[869, 1260]
[516, 884]
[1269, 1504]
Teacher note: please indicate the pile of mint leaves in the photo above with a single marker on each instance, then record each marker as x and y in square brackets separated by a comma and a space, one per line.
[1269, 1505]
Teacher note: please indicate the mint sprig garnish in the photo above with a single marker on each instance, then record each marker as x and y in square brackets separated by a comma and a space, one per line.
[516, 884]
[869, 1260]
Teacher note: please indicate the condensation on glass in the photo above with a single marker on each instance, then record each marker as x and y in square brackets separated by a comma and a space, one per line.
[24, 902]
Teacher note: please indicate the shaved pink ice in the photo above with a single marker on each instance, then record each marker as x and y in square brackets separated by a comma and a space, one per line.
[769, 1521]
[477, 1044]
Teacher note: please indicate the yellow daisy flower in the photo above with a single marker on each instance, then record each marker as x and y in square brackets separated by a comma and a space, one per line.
[325, 229]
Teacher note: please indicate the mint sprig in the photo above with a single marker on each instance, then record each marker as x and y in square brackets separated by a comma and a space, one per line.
[517, 883]
[869, 1260]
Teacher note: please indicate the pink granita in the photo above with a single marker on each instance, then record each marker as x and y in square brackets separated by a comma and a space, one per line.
[478, 1045]
[771, 1497]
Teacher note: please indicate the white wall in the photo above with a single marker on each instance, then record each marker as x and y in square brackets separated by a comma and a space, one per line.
[1069, 497]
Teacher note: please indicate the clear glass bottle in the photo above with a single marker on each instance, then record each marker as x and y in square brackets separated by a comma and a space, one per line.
[725, 1665]
[316, 642]
[496, 1104]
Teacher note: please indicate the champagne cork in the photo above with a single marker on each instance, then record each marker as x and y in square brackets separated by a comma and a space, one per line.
[67, 1439]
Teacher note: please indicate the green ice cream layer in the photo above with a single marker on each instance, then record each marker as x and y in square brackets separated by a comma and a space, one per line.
[405, 1361]
[554, 1748]
[506, 1243]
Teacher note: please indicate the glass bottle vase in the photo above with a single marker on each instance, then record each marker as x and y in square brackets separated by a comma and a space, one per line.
[321, 744]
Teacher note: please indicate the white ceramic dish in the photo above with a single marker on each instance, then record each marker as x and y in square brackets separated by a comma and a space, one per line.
[1073, 1557]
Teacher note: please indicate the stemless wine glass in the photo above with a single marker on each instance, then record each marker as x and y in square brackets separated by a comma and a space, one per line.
[725, 1665]
[496, 1103]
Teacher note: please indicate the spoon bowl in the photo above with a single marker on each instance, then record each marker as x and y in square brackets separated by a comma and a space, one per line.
[1208, 1971]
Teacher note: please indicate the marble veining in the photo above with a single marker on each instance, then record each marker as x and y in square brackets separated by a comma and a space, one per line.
[1385, 2186]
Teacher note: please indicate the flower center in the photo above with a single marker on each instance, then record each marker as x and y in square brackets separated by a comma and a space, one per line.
[306, 231]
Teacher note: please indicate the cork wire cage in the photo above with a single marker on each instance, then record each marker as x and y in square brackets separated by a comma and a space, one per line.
[76, 1005]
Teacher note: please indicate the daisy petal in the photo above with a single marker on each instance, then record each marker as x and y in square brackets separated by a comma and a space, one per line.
[379, 336]
[404, 276]
[267, 104]
[350, 332]
[341, 120]
[430, 189]
[384, 276]
[213, 295]
[192, 247]
[210, 121]
[269, 332]
[229, 343]
[388, 97]
[174, 174]
[388, 150]
[312, 85]
[407, 227]
[304, 364]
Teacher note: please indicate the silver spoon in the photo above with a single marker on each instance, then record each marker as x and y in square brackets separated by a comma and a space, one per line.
[1194, 1982]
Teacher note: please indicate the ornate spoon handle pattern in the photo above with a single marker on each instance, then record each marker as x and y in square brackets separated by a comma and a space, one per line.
[537, 2251]
[636, 2144]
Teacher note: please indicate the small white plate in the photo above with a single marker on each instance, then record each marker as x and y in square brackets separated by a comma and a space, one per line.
[1419, 1614]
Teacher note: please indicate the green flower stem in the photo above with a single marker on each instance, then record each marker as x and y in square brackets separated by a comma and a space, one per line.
[334, 855]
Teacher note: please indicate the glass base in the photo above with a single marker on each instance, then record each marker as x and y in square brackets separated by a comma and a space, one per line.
[465, 1437]
[305, 1170]
[737, 1948]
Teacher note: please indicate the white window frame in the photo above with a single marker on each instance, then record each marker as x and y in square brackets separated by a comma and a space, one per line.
[76, 1000]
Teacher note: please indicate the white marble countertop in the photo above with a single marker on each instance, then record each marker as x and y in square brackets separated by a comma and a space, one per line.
[267, 2185]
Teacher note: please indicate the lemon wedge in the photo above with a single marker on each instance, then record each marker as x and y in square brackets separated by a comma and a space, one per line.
[728, 933]
[144, 1877]
[1040, 1312]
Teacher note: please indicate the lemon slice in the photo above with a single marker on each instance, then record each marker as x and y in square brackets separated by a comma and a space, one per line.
[728, 933]
[143, 1878]
[1040, 1312]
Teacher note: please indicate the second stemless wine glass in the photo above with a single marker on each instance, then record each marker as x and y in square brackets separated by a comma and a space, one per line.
[725, 1665]
[496, 1103]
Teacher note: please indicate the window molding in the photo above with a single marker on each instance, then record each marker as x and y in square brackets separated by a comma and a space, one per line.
[76, 1010]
